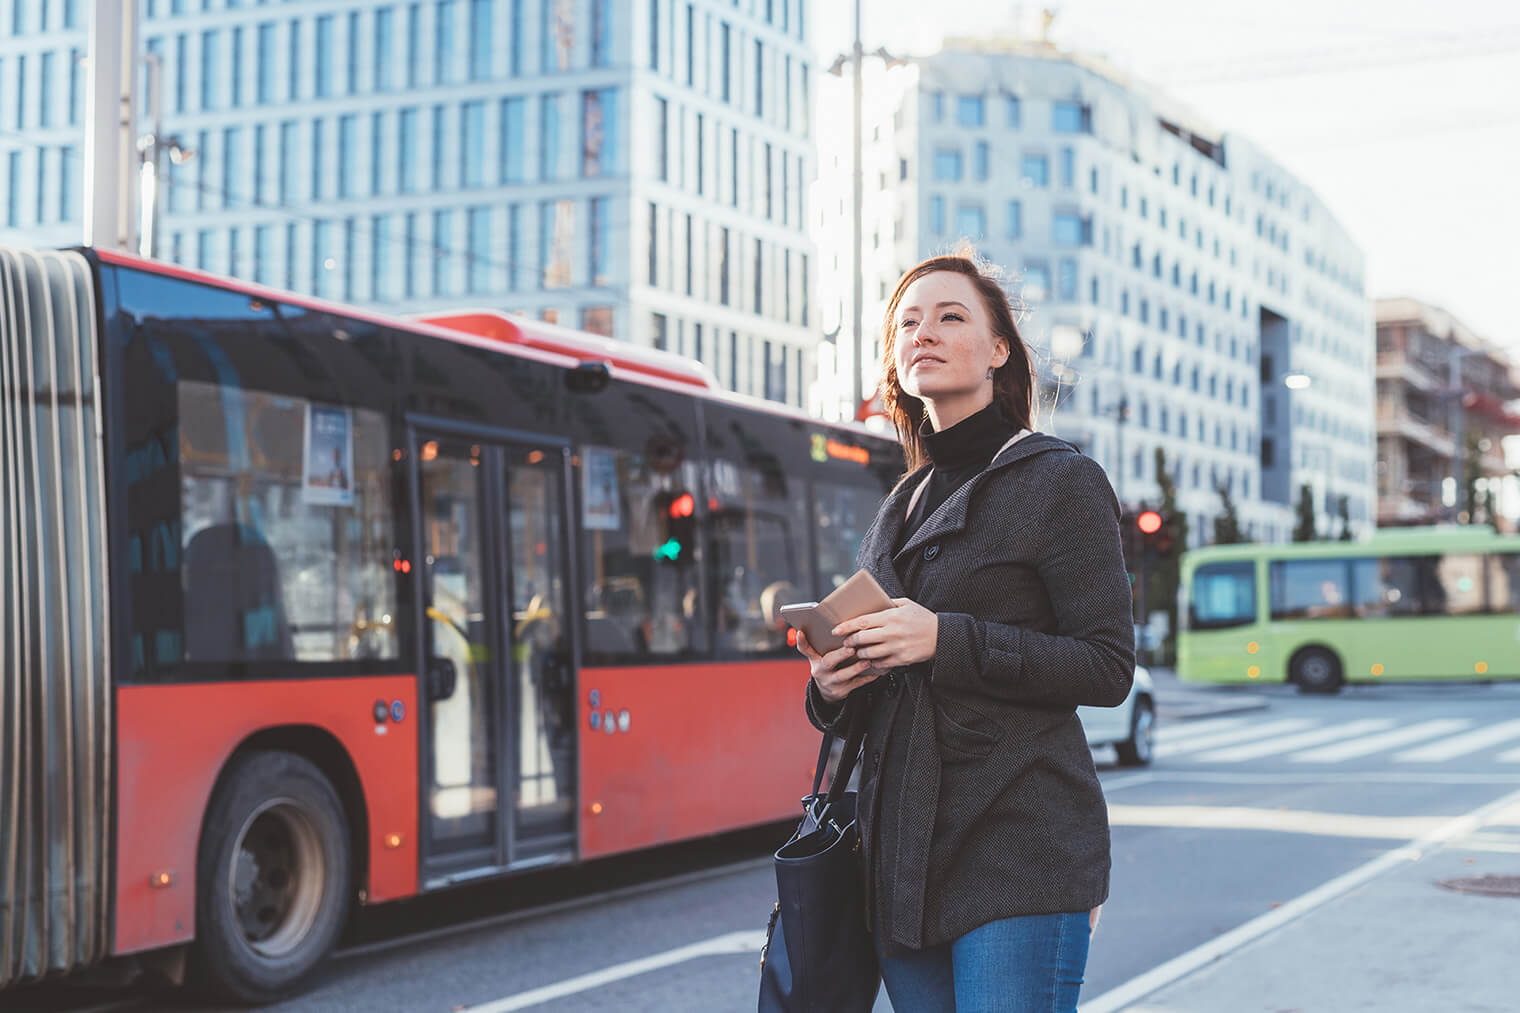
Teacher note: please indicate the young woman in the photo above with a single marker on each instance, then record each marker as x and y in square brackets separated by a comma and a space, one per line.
[984, 830]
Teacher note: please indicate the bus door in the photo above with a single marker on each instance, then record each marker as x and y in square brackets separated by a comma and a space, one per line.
[497, 653]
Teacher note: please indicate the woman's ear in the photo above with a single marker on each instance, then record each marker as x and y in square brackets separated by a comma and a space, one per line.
[1003, 352]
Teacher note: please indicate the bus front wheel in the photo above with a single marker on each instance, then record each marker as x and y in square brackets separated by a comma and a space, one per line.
[1316, 670]
[273, 878]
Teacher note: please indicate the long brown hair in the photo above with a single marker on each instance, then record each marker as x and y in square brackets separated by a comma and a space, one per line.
[1013, 384]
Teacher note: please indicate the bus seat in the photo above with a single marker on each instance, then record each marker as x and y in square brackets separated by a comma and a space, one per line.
[234, 608]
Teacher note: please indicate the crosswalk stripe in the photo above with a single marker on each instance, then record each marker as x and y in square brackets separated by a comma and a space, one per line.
[1192, 729]
[1513, 756]
[1461, 745]
[1287, 744]
[1376, 743]
[1231, 737]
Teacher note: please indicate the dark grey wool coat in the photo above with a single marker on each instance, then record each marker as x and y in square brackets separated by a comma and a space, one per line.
[978, 798]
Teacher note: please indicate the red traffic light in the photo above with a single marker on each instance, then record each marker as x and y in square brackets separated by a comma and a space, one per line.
[683, 505]
[1149, 522]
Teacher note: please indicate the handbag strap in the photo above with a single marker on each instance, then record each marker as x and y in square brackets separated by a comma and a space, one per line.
[853, 738]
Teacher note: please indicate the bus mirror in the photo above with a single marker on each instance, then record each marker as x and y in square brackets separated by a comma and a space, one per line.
[589, 377]
[441, 678]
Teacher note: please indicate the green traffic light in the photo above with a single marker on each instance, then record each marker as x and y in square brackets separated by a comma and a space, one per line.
[671, 551]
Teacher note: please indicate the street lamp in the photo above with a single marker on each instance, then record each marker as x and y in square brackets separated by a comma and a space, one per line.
[856, 59]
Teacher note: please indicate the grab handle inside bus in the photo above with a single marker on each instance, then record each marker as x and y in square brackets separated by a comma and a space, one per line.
[441, 678]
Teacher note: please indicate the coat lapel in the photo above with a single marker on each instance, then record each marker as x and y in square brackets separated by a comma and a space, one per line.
[951, 515]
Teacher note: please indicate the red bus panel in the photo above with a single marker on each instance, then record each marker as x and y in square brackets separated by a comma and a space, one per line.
[708, 748]
[174, 740]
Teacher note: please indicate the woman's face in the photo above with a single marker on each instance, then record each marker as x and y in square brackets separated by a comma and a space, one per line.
[944, 345]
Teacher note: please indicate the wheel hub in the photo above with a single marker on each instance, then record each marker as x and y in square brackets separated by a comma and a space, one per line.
[277, 878]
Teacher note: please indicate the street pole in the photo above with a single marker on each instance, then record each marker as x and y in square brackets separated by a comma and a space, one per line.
[111, 176]
[857, 355]
[153, 159]
[1455, 421]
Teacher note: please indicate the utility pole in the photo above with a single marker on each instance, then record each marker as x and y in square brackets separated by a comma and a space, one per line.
[857, 350]
[1454, 413]
[110, 154]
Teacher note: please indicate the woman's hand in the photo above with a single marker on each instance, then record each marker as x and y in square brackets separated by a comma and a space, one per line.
[902, 635]
[838, 673]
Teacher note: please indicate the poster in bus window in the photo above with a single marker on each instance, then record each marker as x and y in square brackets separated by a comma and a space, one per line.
[328, 476]
[600, 509]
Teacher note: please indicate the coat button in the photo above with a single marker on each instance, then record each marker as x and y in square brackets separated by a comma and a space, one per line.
[931, 552]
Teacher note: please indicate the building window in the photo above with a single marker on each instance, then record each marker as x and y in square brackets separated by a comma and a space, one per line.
[597, 320]
[1066, 279]
[1036, 281]
[1015, 219]
[322, 80]
[559, 35]
[759, 79]
[937, 106]
[654, 245]
[1070, 118]
[723, 272]
[556, 236]
[443, 253]
[980, 159]
[1066, 229]
[514, 140]
[548, 160]
[947, 165]
[599, 132]
[1036, 170]
[654, 34]
[597, 245]
[472, 144]
[480, 39]
[759, 276]
[971, 221]
[662, 138]
[725, 68]
[937, 215]
[970, 111]
[1011, 114]
[1068, 168]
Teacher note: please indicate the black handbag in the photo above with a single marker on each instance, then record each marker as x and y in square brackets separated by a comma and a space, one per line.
[818, 955]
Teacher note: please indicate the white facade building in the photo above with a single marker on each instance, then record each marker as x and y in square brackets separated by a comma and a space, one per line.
[631, 168]
[1174, 271]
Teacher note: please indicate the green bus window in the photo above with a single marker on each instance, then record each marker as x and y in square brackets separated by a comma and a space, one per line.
[1369, 596]
[1223, 595]
[1459, 586]
[1504, 582]
[1310, 589]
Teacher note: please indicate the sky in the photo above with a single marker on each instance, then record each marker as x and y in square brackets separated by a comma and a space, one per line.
[1402, 115]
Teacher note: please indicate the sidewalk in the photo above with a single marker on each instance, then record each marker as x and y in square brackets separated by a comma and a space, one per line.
[1384, 937]
[1179, 701]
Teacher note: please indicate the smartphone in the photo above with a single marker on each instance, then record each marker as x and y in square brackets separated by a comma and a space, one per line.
[858, 596]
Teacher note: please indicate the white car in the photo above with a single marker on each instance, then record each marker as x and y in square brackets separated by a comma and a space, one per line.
[1131, 727]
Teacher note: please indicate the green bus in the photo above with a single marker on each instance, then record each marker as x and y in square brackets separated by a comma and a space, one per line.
[1406, 604]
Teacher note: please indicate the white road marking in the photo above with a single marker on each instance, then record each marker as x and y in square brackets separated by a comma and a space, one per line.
[1461, 745]
[1377, 743]
[1289, 821]
[749, 941]
[1178, 967]
[1192, 729]
[1513, 756]
[1230, 738]
[1288, 743]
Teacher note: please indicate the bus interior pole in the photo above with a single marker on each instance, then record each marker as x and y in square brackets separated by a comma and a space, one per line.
[857, 348]
[111, 171]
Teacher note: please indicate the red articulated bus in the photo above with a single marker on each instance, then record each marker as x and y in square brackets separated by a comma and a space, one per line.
[305, 606]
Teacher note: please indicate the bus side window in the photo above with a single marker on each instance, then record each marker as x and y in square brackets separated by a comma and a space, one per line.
[758, 530]
[841, 515]
[1310, 589]
[1459, 581]
[1504, 582]
[1223, 595]
[639, 556]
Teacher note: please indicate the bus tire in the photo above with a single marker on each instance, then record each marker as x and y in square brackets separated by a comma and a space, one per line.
[1316, 670]
[1140, 747]
[272, 878]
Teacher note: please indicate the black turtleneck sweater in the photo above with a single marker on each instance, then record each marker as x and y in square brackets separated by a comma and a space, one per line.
[957, 454]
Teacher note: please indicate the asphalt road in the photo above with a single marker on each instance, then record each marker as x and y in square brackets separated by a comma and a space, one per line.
[1237, 816]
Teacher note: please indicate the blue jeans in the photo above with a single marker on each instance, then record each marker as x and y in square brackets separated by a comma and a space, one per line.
[1027, 964]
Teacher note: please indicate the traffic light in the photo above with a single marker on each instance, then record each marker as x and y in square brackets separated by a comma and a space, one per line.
[1149, 523]
[678, 512]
